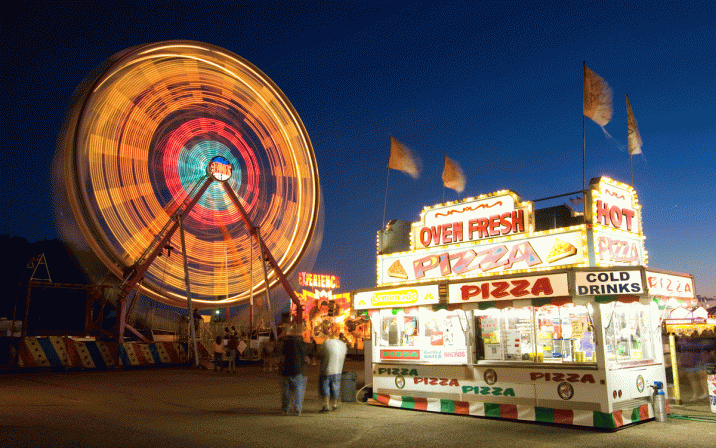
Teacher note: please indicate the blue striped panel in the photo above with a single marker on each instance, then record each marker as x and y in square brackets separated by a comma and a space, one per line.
[123, 356]
[155, 353]
[95, 354]
[50, 352]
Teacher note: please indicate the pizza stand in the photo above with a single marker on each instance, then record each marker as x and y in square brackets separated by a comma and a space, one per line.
[494, 313]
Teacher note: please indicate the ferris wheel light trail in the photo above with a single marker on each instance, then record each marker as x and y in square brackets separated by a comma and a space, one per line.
[134, 151]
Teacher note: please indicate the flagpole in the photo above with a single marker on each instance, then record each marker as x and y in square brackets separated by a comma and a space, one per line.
[584, 146]
[385, 201]
[444, 158]
[631, 168]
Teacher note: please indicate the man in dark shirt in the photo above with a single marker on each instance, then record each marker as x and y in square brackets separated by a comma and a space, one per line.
[294, 383]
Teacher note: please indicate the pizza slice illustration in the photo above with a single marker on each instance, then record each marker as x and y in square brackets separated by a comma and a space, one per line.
[560, 250]
[396, 270]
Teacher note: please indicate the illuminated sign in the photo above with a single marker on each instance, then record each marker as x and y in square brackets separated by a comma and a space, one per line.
[615, 205]
[613, 248]
[220, 168]
[488, 216]
[545, 250]
[409, 296]
[599, 283]
[554, 285]
[669, 285]
[319, 280]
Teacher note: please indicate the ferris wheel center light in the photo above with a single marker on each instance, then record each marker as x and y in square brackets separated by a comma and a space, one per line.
[220, 168]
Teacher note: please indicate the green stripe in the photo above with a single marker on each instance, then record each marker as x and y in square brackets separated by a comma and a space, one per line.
[541, 302]
[603, 420]
[545, 415]
[407, 402]
[605, 299]
[635, 415]
[447, 406]
[486, 305]
[492, 410]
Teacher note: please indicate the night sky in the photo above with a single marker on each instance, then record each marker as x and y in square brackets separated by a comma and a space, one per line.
[496, 86]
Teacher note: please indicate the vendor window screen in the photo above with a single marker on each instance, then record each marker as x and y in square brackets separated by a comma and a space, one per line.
[628, 332]
[537, 334]
[439, 335]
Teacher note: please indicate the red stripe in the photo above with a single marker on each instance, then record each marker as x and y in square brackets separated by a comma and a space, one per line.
[643, 412]
[113, 348]
[72, 353]
[462, 407]
[421, 404]
[628, 299]
[564, 416]
[173, 355]
[560, 301]
[384, 399]
[140, 355]
[618, 419]
[508, 411]
[27, 359]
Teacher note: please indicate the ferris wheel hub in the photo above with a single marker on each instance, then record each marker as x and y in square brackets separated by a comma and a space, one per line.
[220, 169]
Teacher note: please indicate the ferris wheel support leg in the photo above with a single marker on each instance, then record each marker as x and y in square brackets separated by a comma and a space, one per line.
[135, 274]
[268, 294]
[192, 330]
[265, 253]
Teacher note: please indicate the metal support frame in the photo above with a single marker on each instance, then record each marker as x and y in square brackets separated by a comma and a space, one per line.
[135, 274]
[265, 253]
[192, 330]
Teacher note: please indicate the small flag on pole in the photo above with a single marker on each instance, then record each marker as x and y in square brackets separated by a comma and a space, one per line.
[453, 176]
[633, 136]
[402, 159]
[597, 98]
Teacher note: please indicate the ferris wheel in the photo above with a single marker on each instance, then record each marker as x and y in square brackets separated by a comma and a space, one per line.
[181, 164]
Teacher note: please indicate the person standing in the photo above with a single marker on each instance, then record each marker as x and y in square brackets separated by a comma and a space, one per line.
[294, 383]
[334, 354]
[218, 354]
[233, 348]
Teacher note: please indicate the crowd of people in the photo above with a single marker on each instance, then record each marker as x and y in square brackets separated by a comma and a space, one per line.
[289, 356]
[296, 354]
[234, 345]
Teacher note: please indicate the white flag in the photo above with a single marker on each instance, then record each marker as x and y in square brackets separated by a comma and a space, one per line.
[597, 98]
[633, 134]
[402, 159]
[453, 177]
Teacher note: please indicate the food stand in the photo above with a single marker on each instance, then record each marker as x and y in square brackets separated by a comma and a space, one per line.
[324, 308]
[497, 312]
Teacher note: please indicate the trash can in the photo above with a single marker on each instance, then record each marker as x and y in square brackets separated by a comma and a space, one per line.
[348, 387]
[711, 385]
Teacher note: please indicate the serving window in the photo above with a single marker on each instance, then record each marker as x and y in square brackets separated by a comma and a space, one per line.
[538, 334]
[629, 333]
[421, 334]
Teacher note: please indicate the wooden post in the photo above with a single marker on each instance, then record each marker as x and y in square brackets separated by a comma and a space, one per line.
[674, 368]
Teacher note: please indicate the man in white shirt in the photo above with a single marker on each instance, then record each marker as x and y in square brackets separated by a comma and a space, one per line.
[334, 354]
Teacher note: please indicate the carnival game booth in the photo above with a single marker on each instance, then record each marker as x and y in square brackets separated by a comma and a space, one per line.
[490, 314]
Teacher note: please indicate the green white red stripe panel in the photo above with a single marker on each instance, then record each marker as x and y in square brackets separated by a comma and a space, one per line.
[595, 419]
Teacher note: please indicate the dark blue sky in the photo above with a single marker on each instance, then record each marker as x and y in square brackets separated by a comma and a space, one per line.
[495, 86]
